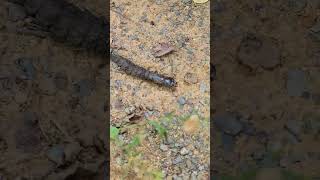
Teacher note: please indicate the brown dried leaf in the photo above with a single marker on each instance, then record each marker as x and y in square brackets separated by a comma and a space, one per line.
[162, 49]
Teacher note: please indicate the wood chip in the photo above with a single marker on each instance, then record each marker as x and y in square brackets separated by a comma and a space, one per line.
[162, 49]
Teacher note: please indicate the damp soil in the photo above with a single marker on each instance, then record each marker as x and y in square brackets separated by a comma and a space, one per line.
[265, 102]
[52, 106]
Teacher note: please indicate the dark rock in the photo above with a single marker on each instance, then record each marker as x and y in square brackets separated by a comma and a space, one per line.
[315, 30]
[219, 7]
[295, 128]
[16, 12]
[56, 154]
[61, 81]
[71, 151]
[257, 52]
[27, 67]
[228, 142]
[28, 138]
[228, 123]
[47, 86]
[269, 160]
[316, 98]
[296, 5]
[306, 95]
[296, 83]
[85, 87]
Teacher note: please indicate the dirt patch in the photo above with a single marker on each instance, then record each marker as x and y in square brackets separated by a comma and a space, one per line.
[137, 27]
[266, 59]
[52, 115]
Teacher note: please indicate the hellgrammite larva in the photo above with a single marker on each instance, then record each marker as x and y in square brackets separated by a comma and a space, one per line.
[67, 23]
[133, 69]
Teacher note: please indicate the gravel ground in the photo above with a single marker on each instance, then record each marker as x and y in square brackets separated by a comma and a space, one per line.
[138, 26]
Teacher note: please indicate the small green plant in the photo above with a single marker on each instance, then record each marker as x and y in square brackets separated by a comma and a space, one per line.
[168, 117]
[289, 175]
[157, 175]
[114, 133]
[161, 130]
[130, 149]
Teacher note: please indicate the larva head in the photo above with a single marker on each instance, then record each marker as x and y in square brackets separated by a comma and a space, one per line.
[170, 82]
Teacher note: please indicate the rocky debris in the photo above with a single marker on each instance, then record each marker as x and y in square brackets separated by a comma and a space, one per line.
[184, 151]
[56, 154]
[296, 83]
[16, 12]
[228, 142]
[84, 87]
[71, 151]
[255, 51]
[28, 136]
[25, 64]
[315, 30]
[190, 78]
[46, 86]
[295, 128]
[61, 81]
[182, 100]
[228, 123]
[164, 147]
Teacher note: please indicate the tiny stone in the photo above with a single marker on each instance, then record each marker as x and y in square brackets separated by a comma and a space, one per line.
[184, 151]
[201, 168]
[177, 160]
[186, 1]
[294, 127]
[296, 83]
[164, 147]
[56, 154]
[203, 87]
[16, 12]
[190, 78]
[158, 2]
[177, 145]
[182, 100]
[194, 176]
[189, 164]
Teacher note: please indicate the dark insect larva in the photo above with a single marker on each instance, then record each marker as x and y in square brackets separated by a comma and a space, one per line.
[65, 22]
[141, 72]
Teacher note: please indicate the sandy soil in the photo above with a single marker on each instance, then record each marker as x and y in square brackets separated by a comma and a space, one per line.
[137, 27]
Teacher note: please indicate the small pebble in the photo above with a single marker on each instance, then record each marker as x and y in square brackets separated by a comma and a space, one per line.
[296, 83]
[228, 123]
[294, 127]
[177, 160]
[203, 87]
[56, 154]
[190, 78]
[184, 151]
[16, 12]
[186, 1]
[182, 100]
[164, 147]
